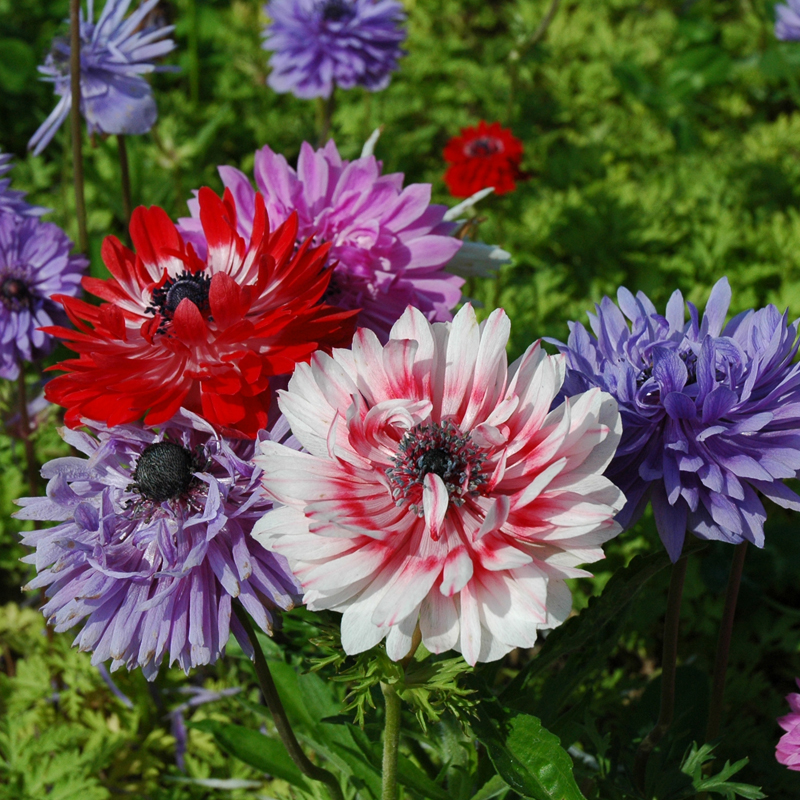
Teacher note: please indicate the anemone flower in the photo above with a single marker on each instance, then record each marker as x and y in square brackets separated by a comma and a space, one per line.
[787, 20]
[115, 53]
[207, 335]
[320, 44]
[788, 750]
[710, 412]
[439, 491]
[483, 156]
[35, 264]
[152, 544]
[389, 244]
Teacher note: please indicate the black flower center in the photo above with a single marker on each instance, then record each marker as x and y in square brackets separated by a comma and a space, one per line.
[336, 10]
[436, 460]
[186, 286]
[164, 471]
[484, 146]
[15, 294]
[443, 450]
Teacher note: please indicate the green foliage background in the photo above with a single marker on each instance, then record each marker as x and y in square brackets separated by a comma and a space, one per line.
[662, 140]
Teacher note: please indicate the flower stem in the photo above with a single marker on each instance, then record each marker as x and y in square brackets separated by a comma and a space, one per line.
[25, 426]
[125, 178]
[724, 642]
[273, 702]
[75, 120]
[325, 116]
[391, 740]
[669, 659]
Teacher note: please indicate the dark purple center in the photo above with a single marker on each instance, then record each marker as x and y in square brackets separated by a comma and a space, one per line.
[164, 471]
[485, 146]
[186, 286]
[15, 294]
[336, 10]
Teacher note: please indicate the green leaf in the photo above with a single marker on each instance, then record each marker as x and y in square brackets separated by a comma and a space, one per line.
[527, 756]
[494, 787]
[259, 751]
[586, 637]
[17, 65]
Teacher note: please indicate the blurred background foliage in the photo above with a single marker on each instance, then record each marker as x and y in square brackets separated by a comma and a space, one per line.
[662, 143]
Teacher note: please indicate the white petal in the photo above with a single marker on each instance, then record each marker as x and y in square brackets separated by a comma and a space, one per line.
[438, 623]
[435, 501]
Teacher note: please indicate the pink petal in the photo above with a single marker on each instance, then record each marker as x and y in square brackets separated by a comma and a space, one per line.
[435, 501]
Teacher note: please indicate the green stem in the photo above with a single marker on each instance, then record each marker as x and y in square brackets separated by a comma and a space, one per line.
[325, 110]
[274, 704]
[75, 120]
[391, 740]
[669, 661]
[25, 425]
[724, 643]
[125, 178]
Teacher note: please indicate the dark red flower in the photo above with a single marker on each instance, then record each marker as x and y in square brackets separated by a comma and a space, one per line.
[206, 335]
[482, 157]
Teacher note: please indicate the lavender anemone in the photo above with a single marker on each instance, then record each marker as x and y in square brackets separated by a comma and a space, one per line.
[115, 53]
[319, 44]
[35, 264]
[389, 245]
[153, 543]
[787, 20]
[12, 201]
[710, 412]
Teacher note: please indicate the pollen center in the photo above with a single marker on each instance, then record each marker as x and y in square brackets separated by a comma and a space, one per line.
[443, 450]
[15, 294]
[164, 471]
[186, 286]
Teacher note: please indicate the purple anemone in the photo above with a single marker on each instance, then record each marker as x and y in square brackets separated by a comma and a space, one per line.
[115, 53]
[35, 264]
[390, 245]
[320, 44]
[710, 412]
[12, 201]
[787, 20]
[153, 543]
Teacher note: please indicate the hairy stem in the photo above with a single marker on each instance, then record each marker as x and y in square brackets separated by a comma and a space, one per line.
[669, 660]
[724, 642]
[75, 120]
[125, 178]
[391, 740]
[274, 704]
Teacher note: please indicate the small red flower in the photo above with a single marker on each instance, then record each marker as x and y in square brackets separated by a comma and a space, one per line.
[482, 157]
[206, 335]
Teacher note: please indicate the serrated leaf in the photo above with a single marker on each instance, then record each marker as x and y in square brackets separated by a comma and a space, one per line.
[259, 751]
[527, 756]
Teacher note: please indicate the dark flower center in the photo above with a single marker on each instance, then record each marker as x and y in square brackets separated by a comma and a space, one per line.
[15, 294]
[164, 471]
[336, 10]
[484, 146]
[186, 286]
[443, 450]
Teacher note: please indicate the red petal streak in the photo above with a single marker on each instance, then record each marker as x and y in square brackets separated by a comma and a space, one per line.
[434, 502]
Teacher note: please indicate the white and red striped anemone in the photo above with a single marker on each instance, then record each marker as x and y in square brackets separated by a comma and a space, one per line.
[438, 489]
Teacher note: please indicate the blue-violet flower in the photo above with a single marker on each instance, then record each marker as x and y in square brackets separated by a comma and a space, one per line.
[710, 412]
[787, 20]
[35, 264]
[115, 53]
[153, 543]
[319, 44]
